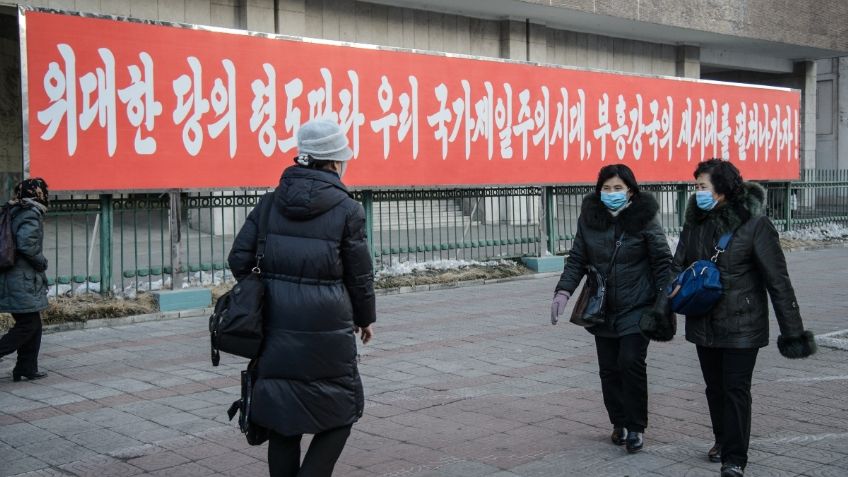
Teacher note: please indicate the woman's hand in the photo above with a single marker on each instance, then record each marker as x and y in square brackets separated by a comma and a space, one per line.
[558, 305]
[365, 334]
[674, 292]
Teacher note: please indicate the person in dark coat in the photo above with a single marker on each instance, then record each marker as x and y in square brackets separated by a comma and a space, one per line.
[320, 291]
[729, 335]
[24, 285]
[634, 285]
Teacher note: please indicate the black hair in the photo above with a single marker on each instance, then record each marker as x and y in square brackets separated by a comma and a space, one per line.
[311, 163]
[622, 172]
[724, 176]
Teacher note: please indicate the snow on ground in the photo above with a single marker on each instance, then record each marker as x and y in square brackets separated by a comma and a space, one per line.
[405, 268]
[826, 232]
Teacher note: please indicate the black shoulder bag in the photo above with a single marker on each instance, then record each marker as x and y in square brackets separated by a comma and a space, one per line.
[236, 325]
[590, 309]
[255, 434]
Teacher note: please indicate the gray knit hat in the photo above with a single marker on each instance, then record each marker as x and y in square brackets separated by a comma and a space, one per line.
[324, 140]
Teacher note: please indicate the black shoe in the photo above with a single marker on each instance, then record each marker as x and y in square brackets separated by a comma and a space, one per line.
[16, 376]
[732, 470]
[618, 435]
[634, 442]
[714, 454]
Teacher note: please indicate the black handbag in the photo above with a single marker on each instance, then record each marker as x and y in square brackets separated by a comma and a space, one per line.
[590, 309]
[256, 435]
[235, 326]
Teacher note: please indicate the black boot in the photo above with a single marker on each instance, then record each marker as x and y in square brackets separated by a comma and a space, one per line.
[714, 454]
[16, 376]
[618, 435]
[634, 442]
[732, 470]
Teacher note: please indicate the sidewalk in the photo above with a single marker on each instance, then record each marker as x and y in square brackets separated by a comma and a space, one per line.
[470, 381]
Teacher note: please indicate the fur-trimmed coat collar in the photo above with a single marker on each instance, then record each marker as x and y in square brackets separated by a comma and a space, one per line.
[642, 209]
[729, 216]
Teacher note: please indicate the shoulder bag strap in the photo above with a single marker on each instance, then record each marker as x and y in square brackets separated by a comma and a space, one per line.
[266, 204]
[614, 253]
[721, 246]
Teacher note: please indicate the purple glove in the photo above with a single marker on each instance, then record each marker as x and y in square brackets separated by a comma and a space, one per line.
[558, 305]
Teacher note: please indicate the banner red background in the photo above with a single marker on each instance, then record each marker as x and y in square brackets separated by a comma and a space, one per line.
[461, 140]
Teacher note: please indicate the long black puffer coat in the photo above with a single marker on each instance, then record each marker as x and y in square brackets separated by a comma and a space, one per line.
[752, 264]
[641, 267]
[319, 279]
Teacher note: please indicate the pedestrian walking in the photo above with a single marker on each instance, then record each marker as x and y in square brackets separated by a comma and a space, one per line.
[24, 284]
[320, 292]
[729, 335]
[619, 215]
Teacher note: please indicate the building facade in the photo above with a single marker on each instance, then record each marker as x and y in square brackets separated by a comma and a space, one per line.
[791, 44]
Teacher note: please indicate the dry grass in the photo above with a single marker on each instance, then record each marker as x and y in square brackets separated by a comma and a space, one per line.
[89, 307]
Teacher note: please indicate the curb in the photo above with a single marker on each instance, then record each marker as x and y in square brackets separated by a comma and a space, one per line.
[825, 340]
[835, 340]
[174, 315]
[126, 320]
[463, 284]
[813, 248]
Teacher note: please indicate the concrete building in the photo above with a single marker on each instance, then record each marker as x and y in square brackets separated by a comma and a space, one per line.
[795, 44]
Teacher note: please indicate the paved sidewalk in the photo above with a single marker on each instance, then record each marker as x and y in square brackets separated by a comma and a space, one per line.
[461, 382]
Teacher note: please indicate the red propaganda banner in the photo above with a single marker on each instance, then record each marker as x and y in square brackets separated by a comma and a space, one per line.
[119, 105]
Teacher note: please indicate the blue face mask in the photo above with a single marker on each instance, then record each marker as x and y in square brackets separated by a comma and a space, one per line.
[614, 200]
[705, 200]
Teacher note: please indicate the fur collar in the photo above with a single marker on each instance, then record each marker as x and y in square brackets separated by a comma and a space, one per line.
[643, 208]
[729, 216]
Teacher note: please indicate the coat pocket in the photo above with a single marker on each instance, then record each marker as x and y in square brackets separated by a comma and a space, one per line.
[29, 281]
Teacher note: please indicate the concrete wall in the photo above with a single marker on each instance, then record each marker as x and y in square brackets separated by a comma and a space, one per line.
[832, 117]
[10, 108]
[819, 23]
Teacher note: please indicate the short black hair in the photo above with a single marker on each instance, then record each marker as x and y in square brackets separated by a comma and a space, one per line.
[622, 172]
[724, 176]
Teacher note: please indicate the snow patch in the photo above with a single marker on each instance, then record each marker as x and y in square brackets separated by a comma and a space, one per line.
[406, 268]
[826, 232]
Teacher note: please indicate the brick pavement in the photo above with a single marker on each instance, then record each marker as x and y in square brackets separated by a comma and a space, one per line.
[459, 382]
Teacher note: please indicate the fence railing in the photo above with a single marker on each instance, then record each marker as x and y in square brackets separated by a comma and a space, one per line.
[128, 243]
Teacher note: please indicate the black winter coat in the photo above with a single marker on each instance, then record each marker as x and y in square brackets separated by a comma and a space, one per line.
[319, 279]
[23, 287]
[752, 264]
[641, 267]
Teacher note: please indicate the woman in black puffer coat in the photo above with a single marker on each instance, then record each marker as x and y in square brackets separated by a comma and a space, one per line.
[319, 278]
[634, 285]
[729, 335]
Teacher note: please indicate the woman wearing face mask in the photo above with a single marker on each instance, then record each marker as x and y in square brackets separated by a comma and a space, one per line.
[617, 210]
[729, 335]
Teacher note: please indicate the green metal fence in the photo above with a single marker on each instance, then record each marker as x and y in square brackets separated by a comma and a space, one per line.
[127, 243]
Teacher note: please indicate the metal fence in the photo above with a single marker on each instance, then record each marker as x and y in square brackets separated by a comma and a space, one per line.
[127, 243]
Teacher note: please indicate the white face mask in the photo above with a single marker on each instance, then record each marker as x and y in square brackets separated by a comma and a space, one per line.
[343, 169]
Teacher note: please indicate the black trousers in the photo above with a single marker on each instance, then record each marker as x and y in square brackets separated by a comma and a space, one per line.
[25, 338]
[324, 451]
[624, 379]
[727, 373]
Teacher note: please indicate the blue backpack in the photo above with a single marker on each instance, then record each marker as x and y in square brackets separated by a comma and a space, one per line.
[700, 284]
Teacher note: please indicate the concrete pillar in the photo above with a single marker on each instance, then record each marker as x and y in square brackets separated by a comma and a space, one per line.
[841, 125]
[806, 70]
[524, 41]
[256, 15]
[688, 61]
